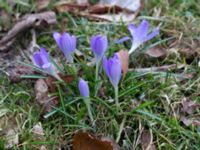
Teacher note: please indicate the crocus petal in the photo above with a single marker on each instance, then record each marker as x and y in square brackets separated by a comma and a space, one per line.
[44, 55]
[73, 43]
[142, 30]
[115, 71]
[99, 45]
[83, 88]
[152, 34]
[57, 37]
[66, 43]
[47, 65]
[126, 38]
[37, 59]
[132, 29]
[104, 43]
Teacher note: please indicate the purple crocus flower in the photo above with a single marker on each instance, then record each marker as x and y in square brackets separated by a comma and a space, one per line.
[139, 35]
[99, 46]
[83, 88]
[67, 44]
[41, 59]
[112, 67]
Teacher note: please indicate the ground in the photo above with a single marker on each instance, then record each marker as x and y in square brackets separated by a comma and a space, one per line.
[155, 101]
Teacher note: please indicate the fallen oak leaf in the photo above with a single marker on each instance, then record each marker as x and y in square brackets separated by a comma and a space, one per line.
[86, 141]
[156, 52]
[42, 97]
[124, 60]
[88, 11]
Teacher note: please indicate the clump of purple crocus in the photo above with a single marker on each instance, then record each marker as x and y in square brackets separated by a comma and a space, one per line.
[41, 59]
[113, 70]
[140, 34]
[84, 91]
[66, 43]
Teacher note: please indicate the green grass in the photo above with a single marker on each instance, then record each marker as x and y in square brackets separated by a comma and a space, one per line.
[158, 95]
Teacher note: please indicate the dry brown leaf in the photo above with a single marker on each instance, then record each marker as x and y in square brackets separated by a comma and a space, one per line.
[42, 4]
[12, 137]
[86, 141]
[70, 7]
[196, 123]
[38, 130]
[147, 140]
[81, 2]
[42, 97]
[124, 60]
[156, 52]
[45, 86]
[101, 11]
[50, 81]
[189, 106]
[131, 5]
[186, 121]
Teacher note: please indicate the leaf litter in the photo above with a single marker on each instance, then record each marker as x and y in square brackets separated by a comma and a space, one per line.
[113, 10]
[86, 141]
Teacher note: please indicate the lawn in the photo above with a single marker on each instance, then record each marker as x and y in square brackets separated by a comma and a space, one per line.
[160, 105]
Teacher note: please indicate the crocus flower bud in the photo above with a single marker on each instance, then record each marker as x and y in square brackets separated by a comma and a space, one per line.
[41, 59]
[83, 88]
[113, 69]
[99, 46]
[66, 43]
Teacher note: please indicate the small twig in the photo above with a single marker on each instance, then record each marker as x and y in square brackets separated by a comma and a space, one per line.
[27, 22]
[161, 68]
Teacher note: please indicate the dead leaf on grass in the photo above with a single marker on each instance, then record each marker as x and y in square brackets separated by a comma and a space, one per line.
[189, 106]
[12, 137]
[42, 97]
[86, 141]
[124, 60]
[156, 52]
[38, 130]
[42, 4]
[104, 11]
[131, 5]
[147, 140]
[45, 86]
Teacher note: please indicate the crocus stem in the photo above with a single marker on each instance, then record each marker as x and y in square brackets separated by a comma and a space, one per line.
[133, 48]
[87, 102]
[57, 77]
[96, 78]
[120, 129]
[116, 97]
